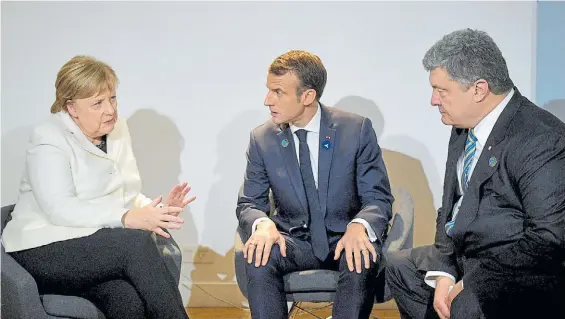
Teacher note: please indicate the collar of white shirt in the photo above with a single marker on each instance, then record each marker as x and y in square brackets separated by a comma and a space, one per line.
[313, 125]
[485, 126]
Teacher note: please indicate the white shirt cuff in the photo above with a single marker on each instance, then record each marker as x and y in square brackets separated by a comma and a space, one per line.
[431, 277]
[370, 231]
[257, 221]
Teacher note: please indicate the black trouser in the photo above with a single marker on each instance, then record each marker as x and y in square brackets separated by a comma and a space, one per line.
[413, 296]
[119, 270]
[355, 292]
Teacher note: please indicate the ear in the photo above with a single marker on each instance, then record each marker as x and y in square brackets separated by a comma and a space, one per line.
[480, 90]
[308, 96]
[71, 108]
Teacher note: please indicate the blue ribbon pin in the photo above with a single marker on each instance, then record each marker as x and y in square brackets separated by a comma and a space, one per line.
[326, 145]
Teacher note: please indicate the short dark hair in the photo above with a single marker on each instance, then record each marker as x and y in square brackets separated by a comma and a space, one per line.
[308, 68]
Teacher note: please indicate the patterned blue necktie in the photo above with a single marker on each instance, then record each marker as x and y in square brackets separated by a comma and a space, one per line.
[470, 148]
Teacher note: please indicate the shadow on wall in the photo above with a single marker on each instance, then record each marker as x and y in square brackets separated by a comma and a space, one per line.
[557, 108]
[14, 148]
[213, 278]
[404, 171]
[157, 146]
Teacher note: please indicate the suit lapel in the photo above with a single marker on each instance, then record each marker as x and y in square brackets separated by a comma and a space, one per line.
[113, 142]
[287, 147]
[326, 149]
[486, 166]
[456, 146]
[70, 126]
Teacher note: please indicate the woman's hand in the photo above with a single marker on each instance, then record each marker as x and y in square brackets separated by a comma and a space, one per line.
[153, 218]
[176, 197]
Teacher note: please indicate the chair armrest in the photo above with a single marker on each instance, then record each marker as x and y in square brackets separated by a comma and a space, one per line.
[240, 271]
[171, 254]
[20, 297]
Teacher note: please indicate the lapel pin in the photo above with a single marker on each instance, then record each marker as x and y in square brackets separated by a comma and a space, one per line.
[326, 145]
[492, 161]
[489, 148]
[284, 143]
[327, 137]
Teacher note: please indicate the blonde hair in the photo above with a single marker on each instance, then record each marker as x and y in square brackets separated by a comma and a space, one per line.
[82, 77]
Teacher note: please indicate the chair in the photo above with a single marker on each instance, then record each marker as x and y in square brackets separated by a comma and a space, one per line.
[21, 299]
[320, 285]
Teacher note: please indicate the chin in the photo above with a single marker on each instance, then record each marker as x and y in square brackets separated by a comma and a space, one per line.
[446, 120]
[277, 121]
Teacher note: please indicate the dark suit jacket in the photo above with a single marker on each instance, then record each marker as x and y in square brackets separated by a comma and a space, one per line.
[508, 242]
[352, 179]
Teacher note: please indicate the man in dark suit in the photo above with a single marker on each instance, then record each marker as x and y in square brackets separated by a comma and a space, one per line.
[330, 188]
[500, 237]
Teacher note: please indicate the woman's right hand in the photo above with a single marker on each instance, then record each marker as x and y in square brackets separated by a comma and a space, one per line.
[154, 218]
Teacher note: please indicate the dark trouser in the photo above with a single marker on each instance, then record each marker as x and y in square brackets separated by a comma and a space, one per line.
[413, 296]
[267, 299]
[119, 270]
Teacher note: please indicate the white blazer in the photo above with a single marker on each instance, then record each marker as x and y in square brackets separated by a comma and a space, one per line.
[70, 188]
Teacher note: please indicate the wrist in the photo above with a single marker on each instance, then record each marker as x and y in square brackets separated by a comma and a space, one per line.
[265, 224]
[443, 282]
[124, 218]
[357, 227]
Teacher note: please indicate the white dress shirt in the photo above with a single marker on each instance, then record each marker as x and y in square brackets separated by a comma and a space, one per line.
[313, 141]
[482, 132]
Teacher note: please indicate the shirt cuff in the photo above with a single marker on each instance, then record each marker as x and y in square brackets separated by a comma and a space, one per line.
[370, 231]
[431, 277]
[257, 221]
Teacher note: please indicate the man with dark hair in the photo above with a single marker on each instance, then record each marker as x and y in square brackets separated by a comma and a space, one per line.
[499, 249]
[330, 188]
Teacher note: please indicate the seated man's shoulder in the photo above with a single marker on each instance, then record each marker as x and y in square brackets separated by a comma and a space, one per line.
[267, 127]
[342, 117]
[537, 127]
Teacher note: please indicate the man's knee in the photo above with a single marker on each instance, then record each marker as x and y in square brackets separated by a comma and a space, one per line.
[271, 268]
[396, 263]
[466, 305]
[364, 277]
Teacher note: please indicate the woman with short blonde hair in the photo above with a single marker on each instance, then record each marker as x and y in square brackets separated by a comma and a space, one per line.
[80, 225]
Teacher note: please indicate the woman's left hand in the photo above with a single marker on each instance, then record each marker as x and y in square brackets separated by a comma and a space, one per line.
[176, 197]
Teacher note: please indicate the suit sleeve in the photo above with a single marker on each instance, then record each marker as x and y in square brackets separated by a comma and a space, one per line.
[373, 185]
[539, 176]
[49, 170]
[140, 199]
[443, 252]
[253, 199]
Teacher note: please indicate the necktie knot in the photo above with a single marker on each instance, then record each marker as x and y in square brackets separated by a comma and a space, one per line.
[301, 133]
[472, 135]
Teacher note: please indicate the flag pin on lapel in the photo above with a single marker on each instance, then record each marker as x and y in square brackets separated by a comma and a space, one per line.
[284, 143]
[492, 161]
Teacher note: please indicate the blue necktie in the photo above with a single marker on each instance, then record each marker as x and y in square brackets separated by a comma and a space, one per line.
[318, 232]
[470, 148]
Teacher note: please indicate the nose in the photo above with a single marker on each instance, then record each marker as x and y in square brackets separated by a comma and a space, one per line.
[268, 99]
[435, 101]
[110, 107]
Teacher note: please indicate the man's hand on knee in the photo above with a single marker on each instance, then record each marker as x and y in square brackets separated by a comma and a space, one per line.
[441, 302]
[356, 243]
[261, 242]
